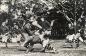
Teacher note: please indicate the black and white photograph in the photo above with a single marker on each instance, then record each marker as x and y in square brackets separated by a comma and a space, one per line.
[42, 27]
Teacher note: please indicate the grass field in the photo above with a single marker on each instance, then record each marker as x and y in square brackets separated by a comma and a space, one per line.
[12, 50]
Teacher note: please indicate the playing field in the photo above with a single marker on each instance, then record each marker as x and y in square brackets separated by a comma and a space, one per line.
[12, 50]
